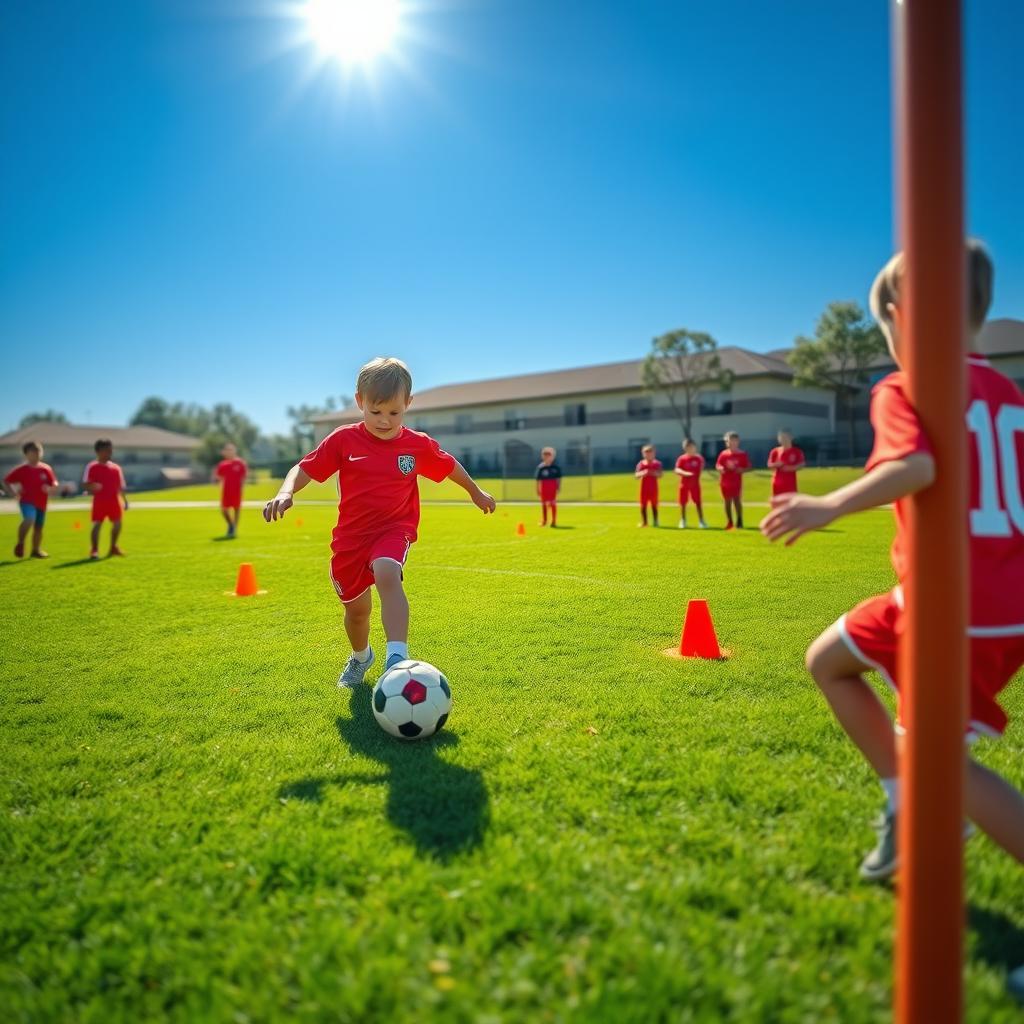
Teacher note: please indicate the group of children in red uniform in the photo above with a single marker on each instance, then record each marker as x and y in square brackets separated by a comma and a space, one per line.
[34, 481]
[731, 465]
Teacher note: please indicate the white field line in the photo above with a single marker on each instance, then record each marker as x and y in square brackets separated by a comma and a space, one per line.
[521, 572]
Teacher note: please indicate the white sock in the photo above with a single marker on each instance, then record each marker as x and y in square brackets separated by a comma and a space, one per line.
[399, 648]
[362, 656]
[892, 794]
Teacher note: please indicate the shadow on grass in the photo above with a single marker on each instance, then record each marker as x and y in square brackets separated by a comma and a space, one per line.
[443, 807]
[14, 561]
[77, 561]
[995, 938]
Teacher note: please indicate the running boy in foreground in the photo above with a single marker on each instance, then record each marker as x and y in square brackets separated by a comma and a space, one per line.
[377, 461]
[867, 637]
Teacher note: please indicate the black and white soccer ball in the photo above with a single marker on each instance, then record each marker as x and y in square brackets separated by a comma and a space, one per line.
[412, 700]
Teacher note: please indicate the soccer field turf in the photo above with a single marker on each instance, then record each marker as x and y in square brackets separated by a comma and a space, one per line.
[199, 826]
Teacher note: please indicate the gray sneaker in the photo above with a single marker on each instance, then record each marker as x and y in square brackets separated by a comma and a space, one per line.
[354, 672]
[882, 861]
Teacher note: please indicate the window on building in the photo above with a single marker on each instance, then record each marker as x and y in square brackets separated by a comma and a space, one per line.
[130, 457]
[714, 403]
[575, 414]
[514, 420]
[463, 423]
[639, 408]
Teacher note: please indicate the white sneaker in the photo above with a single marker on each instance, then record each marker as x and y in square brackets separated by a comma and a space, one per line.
[682, 524]
[703, 525]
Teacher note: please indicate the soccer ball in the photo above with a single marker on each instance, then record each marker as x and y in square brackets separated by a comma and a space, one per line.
[412, 700]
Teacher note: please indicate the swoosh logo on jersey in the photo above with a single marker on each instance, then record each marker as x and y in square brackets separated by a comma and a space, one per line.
[357, 458]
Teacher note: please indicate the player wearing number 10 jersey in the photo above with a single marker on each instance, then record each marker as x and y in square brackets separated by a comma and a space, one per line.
[867, 637]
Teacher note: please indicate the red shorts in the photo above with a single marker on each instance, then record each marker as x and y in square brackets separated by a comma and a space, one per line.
[103, 510]
[731, 490]
[784, 483]
[689, 492]
[350, 566]
[648, 495]
[549, 490]
[231, 500]
[872, 630]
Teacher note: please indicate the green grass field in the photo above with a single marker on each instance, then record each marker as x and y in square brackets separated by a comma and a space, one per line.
[198, 826]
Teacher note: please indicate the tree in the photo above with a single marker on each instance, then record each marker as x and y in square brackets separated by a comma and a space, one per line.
[177, 416]
[214, 426]
[681, 364]
[837, 359]
[50, 416]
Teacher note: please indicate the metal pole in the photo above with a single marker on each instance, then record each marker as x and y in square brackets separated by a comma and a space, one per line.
[928, 980]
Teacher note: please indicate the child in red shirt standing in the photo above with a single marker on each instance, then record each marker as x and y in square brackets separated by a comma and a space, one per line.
[731, 465]
[231, 471]
[31, 483]
[648, 472]
[377, 461]
[785, 461]
[549, 482]
[104, 480]
[867, 637]
[689, 467]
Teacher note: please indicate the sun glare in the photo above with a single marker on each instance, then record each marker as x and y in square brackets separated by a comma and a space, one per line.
[353, 31]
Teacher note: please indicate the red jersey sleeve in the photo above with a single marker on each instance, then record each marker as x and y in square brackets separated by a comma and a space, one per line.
[745, 461]
[12, 476]
[325, 459]
[718, 461]
[51, 476]
[774, 456]
[679, 462]
[88, 476]
[219, 471]
[898, 431]
[434, 462]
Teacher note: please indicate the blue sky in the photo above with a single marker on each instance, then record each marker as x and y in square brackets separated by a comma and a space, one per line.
[188, 212]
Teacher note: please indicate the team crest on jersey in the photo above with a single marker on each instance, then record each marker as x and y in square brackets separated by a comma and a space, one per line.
[406, 463]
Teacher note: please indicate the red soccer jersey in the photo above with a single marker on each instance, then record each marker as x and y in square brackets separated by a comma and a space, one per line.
[691, 464]
[784, 480]
[32, 479]
[649, 480]
[732, 462]
[232, 475]
[111, 479]
[376, 479]
[995, 420]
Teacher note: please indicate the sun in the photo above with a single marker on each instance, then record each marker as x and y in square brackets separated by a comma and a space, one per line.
[353, 31]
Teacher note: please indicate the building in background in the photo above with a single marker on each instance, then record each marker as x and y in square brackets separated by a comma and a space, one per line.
[150, 457]
[598, 417]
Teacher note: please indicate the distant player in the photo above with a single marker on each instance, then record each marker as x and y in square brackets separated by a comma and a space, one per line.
[378, 461]
[31, 483]
[867, 637]
[104, 480]
[232, 472]
[648, 472]
[549, 483]
[784, 462]
[689, 467]
[731, 465]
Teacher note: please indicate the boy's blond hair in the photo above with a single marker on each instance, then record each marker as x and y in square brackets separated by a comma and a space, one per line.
[647, 448]
[384, 378]
[885, 290]
[729, 435]
[544, 451]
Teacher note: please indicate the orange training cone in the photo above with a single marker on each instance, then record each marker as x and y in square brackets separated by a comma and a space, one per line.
[521, 530]
[698, 639]
[246, 585]
[76, 525]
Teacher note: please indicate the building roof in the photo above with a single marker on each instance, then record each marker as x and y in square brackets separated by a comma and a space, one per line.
[558, 383]
[69, 434]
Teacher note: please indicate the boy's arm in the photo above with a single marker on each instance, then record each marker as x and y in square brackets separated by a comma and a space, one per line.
[296, 479]
[481, 498]
[796, 514]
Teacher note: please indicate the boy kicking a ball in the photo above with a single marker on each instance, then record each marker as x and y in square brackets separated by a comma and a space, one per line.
[377, 461]
[31, 483]
[104, 480]
[867, 637]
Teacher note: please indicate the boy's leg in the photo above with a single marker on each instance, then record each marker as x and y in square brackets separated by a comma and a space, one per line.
[23, 531]
[996, 808]
[700, 511]
[554, 511]
[227, 517]
[682, 511]
[738, 502]
[357, 629]
[728, 512]
[37, 540]
[95, 537]
[543, 512]
[115, 532]
[394, 607]
[839, 675]
[654, 512]
[643, 513]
